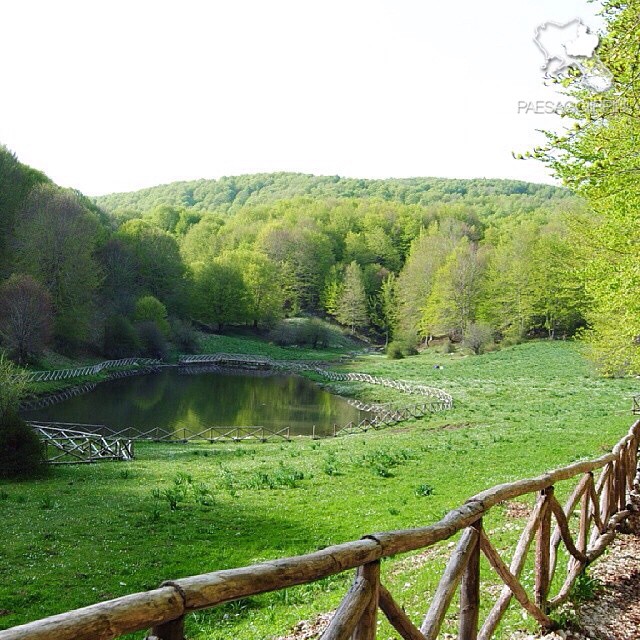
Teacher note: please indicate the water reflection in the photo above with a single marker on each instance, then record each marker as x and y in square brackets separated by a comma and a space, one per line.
[188, 404]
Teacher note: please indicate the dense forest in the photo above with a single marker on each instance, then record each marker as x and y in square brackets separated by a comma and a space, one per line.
[391, 260]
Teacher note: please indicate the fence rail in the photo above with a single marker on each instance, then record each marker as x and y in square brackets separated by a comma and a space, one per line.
[602, 505]
[71, 446]
[181, 434]
[89, 370]
[635, 409]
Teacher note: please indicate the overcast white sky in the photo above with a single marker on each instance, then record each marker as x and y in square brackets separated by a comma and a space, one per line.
[117, 95]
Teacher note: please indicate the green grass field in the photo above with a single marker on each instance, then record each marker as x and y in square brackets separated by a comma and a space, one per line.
[88, 533]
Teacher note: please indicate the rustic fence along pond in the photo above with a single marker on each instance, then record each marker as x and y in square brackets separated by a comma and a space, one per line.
[602, 508]
[431, 400]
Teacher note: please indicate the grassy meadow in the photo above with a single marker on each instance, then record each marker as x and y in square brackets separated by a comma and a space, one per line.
[87, 533]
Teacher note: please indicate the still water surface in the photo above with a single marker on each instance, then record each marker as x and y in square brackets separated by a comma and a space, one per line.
[186, 404]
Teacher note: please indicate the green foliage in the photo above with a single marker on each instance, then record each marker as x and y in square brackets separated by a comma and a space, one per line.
[250, 250]
[597, 159]
[478, 337]
[183, 491]
[150, 309]
[219, 295]
[153, 343]
[13, 386]
[424, 490]
[120, 338]
[184, 336]
[351, 307]
[232, 193]
[156, 261]
[311, 332]
[21, 452]
[395, 351]
[55, 238]
[25, 317]
[16, 181]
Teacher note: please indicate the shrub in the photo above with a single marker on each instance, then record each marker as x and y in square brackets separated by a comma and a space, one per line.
[424, 490]
[150, 309]
[12, 386]
[21, 452]
[395, 351]
[152, 341]
[120, 338]
[301, 331]
[478, 336]
[399, 349]
[184, 336]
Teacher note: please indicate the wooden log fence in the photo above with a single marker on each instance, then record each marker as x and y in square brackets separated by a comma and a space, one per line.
[603, 506]
[180, 435]
[90, 370]
[240, 360]
[54, 398]
[635, 408]
[69, 446]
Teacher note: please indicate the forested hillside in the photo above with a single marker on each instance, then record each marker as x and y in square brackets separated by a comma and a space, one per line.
[231, 193]
[400, 260]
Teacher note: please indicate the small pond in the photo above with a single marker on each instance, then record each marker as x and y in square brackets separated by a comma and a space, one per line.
[184, 404]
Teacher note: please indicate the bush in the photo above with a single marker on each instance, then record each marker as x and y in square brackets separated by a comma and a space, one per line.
[150, 309]
[399, 349]
[311, 332]
[152, 341]
[478, 336]
[395, 351]
[120, 338]
[12, 386]
[184, 336]
[21, 452]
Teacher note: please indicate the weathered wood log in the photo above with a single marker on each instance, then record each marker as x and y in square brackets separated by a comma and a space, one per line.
[470, 592]
[569, 506]
[595, 508]
[622, 480]
[113, 618]
[543, 547]
[173, 630]
[565, 533]
[346, 618]
[105, 620]
[397, 617]
[583, 531]
[401, 541]
[366, 627]
[517, 564]
[512, 582]
[449, 583]
[215, 588]
[596, 550]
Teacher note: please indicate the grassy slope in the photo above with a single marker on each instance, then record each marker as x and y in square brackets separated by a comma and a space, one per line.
[93, 532]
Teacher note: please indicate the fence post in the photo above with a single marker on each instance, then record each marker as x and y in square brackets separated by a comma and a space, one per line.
[470, 592]
[173, 630]
[367, 626]
[543, 542]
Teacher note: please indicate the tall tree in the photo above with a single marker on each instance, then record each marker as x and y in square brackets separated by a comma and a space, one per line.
[55, 241]
[452, 304]
[598, 159]
[352, 303]
[26, 317]
[218, 296]
[159, 268]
